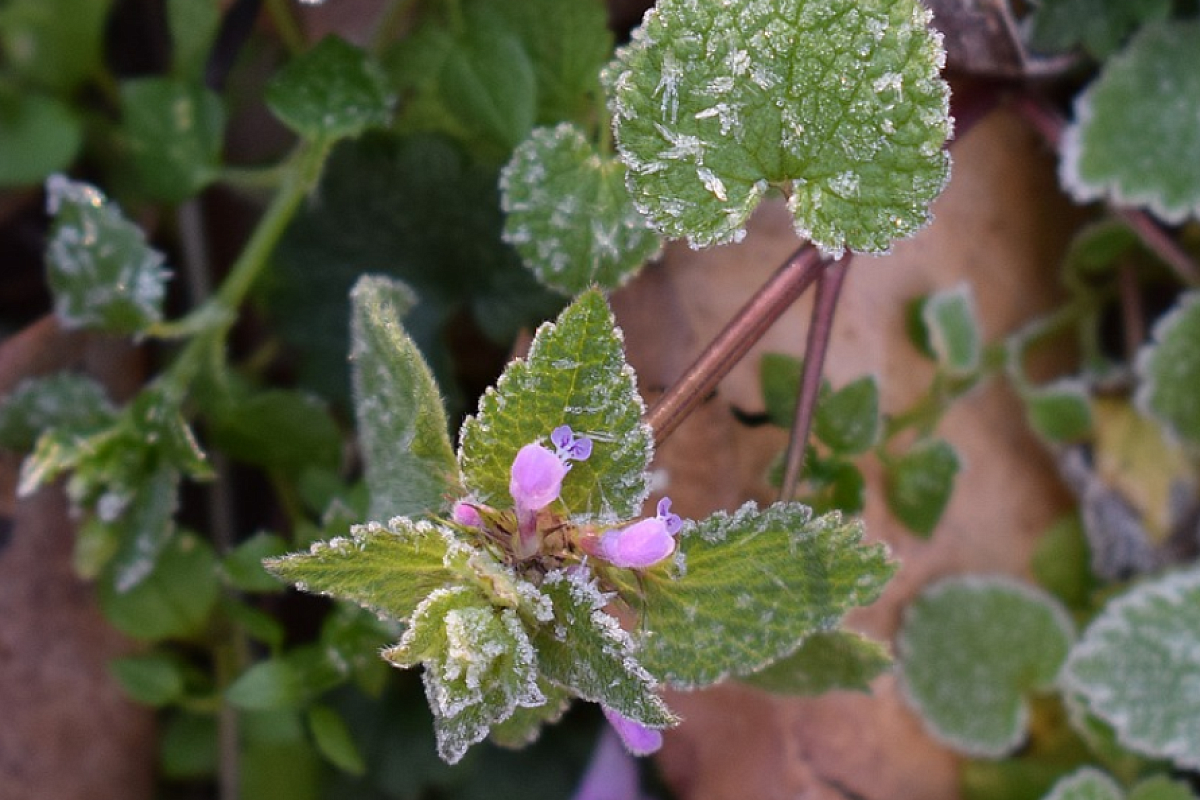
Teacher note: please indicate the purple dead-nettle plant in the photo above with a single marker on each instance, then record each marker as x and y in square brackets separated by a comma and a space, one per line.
[522, 568]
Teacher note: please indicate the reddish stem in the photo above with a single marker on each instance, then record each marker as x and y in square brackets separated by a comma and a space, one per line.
[731, 345]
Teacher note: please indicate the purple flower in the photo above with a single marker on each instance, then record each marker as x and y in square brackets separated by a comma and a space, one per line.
[537, 476]
[637, 738]
[570, 446]
[644, 543]
[466, 514]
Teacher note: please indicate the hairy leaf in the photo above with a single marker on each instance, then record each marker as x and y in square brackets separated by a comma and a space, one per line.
[838, 104]
[575, 375]
[824, 662]
[970, 649]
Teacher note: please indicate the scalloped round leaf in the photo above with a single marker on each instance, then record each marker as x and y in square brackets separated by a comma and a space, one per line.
[1169, 371]
[332, 91]
[1086, 784]
[575, 375]
[1136, 668]
[1134, 140]
[970, 649]
[569, 214]
[837, 103]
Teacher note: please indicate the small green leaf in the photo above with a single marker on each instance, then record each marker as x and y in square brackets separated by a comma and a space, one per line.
[146, 519]
[389, 570]
[277, 429]
[1086, 784]
[173, 130]
[750, 588]
[331, 92]
[333, 739]
[64, 400]
[826, 661]
[1135, 667]
[953, 331]
[193, 25]
[56, 44]
[1060, 412]
[575, 375]
[1160, 787]
[970, 650]
[257, 624]
[479, 665]
[838, 104]
[174, 600]
[244, 564]
[918, 484]
[1061, 563]
[847, 420]
[834, 484]
[585, 650]
[779, 376]
[1098, 25]
[155, 679]
[569, 214]
[524, 726]
[39, 135]
[288, 681]
[102, 272]
[1135, 101]
[1169, 371]
[188, 747]
[409, 461]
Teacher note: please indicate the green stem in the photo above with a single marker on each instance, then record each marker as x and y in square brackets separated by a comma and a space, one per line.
[388, 27]
[289, 28]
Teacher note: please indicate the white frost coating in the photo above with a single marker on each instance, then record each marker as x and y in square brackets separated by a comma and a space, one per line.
[668, 86]
[1087, 783]
[712, 183]
[1185, 308]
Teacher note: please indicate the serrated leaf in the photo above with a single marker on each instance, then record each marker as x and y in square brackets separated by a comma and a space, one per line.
[838, 104]
[155, 679]
[409, 461]
[570, 215]
[585, 650]
[1098, 25]
[333, 739]
[39, 135]
[953, 331]
[1169, 371]
[173, 130]
[847, 420]
[479, 665]
[174, 600]
[575, 375]
[1086, 784]
[752, 586]
[1142, 96]
[524, 726]
[102, 272]
[330, 92]
[970, 650]
[919, 483]
[1135, 667]
[56, 44]
[389, 570]
[1060, 412]
[64, 400]
[824, 662]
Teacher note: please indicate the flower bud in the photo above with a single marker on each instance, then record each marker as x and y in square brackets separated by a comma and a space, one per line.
[466, 514]
[642, 544]
[637, 738]
[537, 476]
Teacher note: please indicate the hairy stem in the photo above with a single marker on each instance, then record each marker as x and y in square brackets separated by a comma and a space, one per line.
[820, 329]
[746, 328]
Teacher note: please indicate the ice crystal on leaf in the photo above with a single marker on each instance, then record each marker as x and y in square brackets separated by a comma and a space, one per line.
[838, 103]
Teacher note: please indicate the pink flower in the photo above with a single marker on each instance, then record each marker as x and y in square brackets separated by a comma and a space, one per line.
[466, 514]
[637, 738]
[537, 476]
[644, 543]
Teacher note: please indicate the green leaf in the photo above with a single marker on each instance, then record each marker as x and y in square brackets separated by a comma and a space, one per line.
[1160, 787]
[825, 662]
[1137, 100]
[953, 331]
[570, 215]
[525, 725]
[39, 135]
[174, 600]
[63, 400]
[779, 376]
[838, 104]
[188, 748]
[256, 624]
[174, 130]
[575, 375]
[276, 760]
[1170, 372]
[1060, 412]
[193, 25]
[155, 679]
[277, 429]
[56, 44]
[244, 564]
[585, 650]
[970, 650]
[847, 420]
[333, 739]
[1135, 667]
[918, 484]
[409, 461]
[1086, 784]
[331, 92]
[288, 681]
[102, 272]
[1061, 562]
[750, 588]
[1099, 25]
[479, 665]
[146, 519]
[833, 484]
[389, 570]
